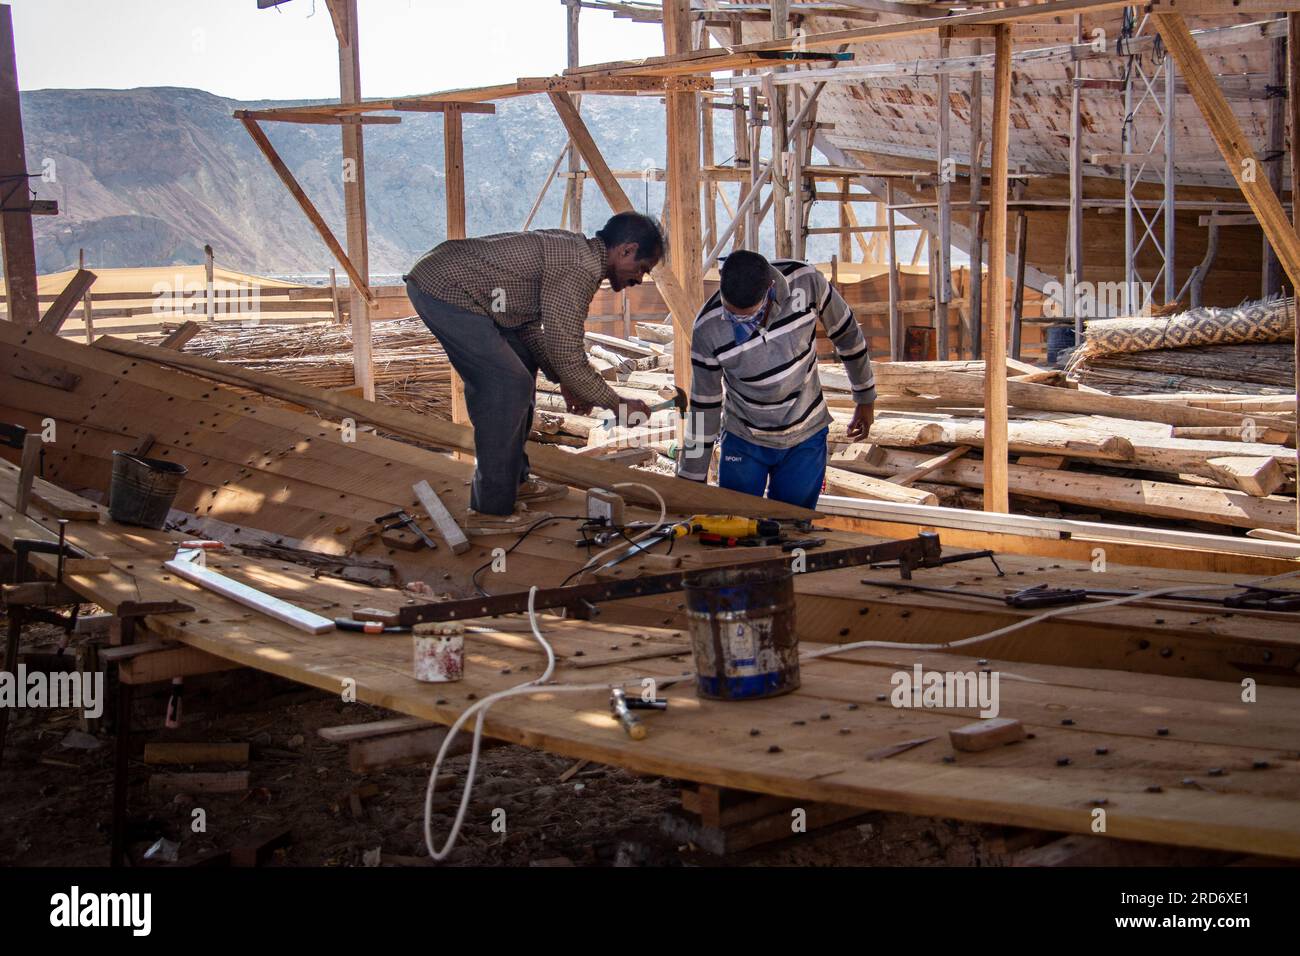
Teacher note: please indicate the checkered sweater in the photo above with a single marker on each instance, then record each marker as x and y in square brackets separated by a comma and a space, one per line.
[540, 283]
[772, 394]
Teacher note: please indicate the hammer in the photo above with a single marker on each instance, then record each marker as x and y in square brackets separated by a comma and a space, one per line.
[676, 400]
[631, 723]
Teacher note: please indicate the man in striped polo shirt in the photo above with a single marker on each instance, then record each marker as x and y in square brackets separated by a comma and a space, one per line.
[754, 379]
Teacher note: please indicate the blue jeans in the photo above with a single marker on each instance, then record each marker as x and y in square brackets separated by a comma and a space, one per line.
[793, 475]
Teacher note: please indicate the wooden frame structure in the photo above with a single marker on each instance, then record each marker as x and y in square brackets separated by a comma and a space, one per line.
[685, 71]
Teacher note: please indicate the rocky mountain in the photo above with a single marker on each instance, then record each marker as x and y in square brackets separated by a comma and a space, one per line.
[148, 176]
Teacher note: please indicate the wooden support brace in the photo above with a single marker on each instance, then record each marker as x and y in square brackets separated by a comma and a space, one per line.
[68, 299]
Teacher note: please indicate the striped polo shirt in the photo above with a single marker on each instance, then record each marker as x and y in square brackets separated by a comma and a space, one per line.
[766, 390]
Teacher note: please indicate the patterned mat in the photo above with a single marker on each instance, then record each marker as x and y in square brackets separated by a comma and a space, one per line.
[1271, 321]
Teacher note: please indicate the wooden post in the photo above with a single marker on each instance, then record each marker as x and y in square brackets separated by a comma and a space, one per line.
[895, 318]
[755, 214]
[846, 237]
[573, 185]
[1074, 269]
[334, 297]
[16, 219]
[344, 13]
[1293, 98]
[943, 250]
[1018, 300]
[796, 180]
[683, 186]
[87, 312]
[707, 156]
[740, 135]
[453, 148]
[995, 332]
[1271, 278]
[776, 121]
[209, 286]
[975, 313]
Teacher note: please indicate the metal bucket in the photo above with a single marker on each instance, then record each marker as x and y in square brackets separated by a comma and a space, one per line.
[742, 632]
[143, 489]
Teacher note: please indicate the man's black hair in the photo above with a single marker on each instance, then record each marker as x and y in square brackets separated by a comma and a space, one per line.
[746, 277]
[634, 227]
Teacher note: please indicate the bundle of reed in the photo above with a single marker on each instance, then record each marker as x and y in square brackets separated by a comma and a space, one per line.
[411, 369]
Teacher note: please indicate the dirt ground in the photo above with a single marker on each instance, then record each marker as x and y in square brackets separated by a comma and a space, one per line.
[56, 797]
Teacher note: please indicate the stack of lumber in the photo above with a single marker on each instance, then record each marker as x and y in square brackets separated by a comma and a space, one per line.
[1224, 461]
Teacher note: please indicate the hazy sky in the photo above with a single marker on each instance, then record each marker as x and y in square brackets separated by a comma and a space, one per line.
[231, 48]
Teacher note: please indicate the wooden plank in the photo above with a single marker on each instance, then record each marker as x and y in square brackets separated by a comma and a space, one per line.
[375, 753]
[547, 462]
[986, 734]
[996, 497]
[446, 524]
[31, 460]
[177, 339]
[374, 728]
[863, 486]
[241, 593]
[931, 464]
[156, 752]
[68, 299]
[171, 663]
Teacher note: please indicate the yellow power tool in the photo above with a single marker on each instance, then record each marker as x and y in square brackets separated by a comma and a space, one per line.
[727, 526]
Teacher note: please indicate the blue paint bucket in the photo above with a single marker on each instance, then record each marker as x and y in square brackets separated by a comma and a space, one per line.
[742, 632]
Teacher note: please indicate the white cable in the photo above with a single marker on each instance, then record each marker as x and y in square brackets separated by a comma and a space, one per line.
[990, 635]
[479, 709]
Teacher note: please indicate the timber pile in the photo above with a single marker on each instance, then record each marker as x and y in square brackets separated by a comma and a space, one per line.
[1222, 461]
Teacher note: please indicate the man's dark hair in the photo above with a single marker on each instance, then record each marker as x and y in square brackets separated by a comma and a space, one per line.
[634, 227]
[746, 277]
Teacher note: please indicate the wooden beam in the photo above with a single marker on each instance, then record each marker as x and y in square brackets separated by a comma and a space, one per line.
[1293, 99]
[895, 316]
[685, 249]
[72, 295]
[751, 54]
[176, 340]
[683, 309]
[354, 195]
[16, 218]
[306, 205]
[1232, 142]
[317, 119]
[995, 332]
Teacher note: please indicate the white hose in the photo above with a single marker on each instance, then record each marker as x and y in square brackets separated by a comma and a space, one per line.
[479, 709]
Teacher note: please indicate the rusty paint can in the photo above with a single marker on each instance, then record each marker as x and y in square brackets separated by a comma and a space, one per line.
[439, 651]
[743, 632]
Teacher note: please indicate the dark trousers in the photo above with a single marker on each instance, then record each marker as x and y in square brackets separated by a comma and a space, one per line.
[500, 377]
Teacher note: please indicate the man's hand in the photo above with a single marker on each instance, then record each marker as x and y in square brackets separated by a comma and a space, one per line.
[630, 407]
[575, 405]
[860, 426]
